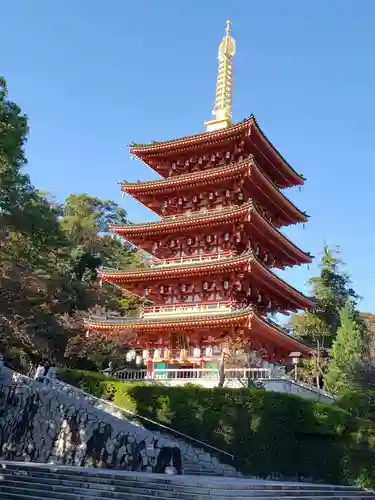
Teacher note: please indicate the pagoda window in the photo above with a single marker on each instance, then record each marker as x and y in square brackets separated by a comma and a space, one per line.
[195, 199]
[205, 285]
[183, 288]
[211, 196]
[146, 291]
[200, 160]
[165, 204]
[218, 296]
[197, 298]
[161, 289]
[227, 193]
[209, 238]
[226, 285]
[226, 236]
[180, 201]
[240, 196]
[257, 250]
[173, 243]
[189, 241]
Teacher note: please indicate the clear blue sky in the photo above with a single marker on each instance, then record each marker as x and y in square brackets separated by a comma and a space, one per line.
[94, 76]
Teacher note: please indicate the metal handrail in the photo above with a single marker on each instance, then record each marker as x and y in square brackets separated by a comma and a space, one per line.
[136, 415]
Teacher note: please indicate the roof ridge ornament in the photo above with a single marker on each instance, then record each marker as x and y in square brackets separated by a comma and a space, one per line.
[223, 102]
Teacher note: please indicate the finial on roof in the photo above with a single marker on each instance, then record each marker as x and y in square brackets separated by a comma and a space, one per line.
[227, 31]
[223, 102]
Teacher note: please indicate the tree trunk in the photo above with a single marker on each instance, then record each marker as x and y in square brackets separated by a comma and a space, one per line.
[222, 370]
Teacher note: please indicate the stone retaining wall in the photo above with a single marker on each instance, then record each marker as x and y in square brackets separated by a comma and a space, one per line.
[41, 424]
[196, 458]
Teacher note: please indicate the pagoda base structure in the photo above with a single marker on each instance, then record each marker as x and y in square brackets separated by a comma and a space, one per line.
[166, 340]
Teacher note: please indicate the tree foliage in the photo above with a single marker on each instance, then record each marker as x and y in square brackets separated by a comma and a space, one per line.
[347, 352]
[50, 255]
[331, 291]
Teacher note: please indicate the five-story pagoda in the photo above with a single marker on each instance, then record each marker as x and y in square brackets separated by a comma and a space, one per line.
[220, 205]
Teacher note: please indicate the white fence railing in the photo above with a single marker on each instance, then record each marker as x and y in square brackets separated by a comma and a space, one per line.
[194, 374]
[188, 308]
[175, 261]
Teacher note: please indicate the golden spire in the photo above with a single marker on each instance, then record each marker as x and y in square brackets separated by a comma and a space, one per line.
[223, 102]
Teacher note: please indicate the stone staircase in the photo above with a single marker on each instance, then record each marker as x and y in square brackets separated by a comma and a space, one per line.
[20, 481]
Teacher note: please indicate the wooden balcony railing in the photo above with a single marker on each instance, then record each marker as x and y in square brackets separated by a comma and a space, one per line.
[188, 308]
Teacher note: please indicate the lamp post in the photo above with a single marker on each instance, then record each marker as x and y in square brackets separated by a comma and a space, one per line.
[295, 356]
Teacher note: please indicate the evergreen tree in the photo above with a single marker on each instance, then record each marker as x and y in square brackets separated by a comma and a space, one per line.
[347, 350]
[331, 291]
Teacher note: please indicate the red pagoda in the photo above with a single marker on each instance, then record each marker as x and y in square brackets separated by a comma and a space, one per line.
[220, 205]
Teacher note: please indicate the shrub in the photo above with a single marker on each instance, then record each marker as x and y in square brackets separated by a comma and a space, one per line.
[360, 404]
[269, 433]
[16, 359]
[87, 381]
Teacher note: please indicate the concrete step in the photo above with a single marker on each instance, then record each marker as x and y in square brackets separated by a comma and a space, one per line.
[95, 490]
[46, 482]
[60, 472]
[24, 494]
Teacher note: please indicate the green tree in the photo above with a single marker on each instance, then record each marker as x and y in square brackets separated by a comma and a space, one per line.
[347, 352]
[28, 224]
[49, 254]
[331, 291]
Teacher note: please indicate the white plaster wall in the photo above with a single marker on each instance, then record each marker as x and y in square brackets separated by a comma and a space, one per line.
[297, 389]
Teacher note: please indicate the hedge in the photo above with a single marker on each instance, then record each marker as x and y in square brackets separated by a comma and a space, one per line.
[270, 434]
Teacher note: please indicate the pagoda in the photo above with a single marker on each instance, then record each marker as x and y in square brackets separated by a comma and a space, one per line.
[214, 247]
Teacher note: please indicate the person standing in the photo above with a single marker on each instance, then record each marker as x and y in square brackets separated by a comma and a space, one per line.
[47, 366]
[39, 372]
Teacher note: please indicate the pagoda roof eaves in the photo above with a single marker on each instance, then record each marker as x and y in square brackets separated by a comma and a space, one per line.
[127, 322]
[157, 147]
[240, 316]
[204, 218]
[159, 271]
[190, 177]
[201, 137]
[297, 344]
[205, 176]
